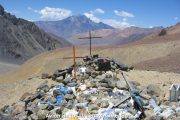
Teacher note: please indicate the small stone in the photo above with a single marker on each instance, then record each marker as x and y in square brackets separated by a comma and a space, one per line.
[104, 104]
[168, 113]
[18, 109]
[94, 83]
[121, 85]
[103, 85]
[111, 84]
[105, 89]
[67, 80]
[43, 106]
[83, 112]
[7, 109]
[64, 111]
[22, 116]
[6, 117]
[93, 112]
[56, 93]
[25, 95]
[59, 79]
[45, 76]
[59, 110]
[32, 108]
[52, 86]
[34, 116]
[94, 74]
[69, 96]
[72, 84]
[44, 86]
[145, 96]
[100, 77]
[164, 84]
[70, 104]
[86, 76]
[52, 99]
[42, 114]
[93, 107]
[50, 107]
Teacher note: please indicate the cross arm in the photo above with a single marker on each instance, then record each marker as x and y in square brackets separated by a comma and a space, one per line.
[88, 37]
[71, 57]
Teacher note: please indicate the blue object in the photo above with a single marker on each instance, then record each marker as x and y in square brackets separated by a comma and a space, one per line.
[63, 90]
[116, 95]
[72, 84]
[126, 109]
[59, 99]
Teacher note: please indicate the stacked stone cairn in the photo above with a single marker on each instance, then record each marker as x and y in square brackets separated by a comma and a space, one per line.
[96, 94]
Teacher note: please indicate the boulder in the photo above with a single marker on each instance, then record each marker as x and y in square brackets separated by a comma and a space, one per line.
[69, 96]
[59, 110]
[94, 74]
[70, 104]
[18, 109]
[168, 113]
[121, 85]
[52, 99]
[72, 84]
[67, 80]
[41, 114]
[22, 116]
[59, 79]
[34, 116]
[44, 87]
[45, 76]
[56, 92]
[104, 104]
[6, 117]
[25, 95]
[93, 108]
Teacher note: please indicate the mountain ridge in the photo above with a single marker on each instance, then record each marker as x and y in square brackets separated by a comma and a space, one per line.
[71, 26]
[21, 39]
[116, 36]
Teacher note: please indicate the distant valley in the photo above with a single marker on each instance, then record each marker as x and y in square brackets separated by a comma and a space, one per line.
[115, 36]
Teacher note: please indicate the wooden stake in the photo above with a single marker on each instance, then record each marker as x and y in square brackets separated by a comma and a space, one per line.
[74, 58]
[90, 38]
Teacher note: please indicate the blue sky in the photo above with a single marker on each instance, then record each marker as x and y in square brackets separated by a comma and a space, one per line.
[118, 13]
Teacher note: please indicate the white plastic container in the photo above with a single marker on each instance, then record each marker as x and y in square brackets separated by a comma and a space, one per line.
[174, 93]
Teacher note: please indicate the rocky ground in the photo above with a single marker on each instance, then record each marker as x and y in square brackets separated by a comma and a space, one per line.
[95, 92]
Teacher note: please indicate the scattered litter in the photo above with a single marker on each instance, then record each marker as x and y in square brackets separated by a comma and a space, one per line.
[96, 94]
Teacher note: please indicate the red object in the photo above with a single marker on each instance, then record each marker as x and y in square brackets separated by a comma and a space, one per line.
[74, 60]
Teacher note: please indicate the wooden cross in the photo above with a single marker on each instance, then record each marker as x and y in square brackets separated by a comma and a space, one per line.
[90, 37]
[74, 60]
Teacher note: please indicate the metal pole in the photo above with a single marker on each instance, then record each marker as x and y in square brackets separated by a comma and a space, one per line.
[90, 37]
[74, 57]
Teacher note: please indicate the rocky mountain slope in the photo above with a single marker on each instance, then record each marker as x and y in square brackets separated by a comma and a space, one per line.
[71, 26]
[159, 53]
[170, 60]
[115, 36]
[21, 39]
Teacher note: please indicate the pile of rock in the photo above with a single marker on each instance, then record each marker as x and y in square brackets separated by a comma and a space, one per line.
[97, 93]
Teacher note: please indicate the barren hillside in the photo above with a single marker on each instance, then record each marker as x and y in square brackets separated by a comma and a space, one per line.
[160, 53]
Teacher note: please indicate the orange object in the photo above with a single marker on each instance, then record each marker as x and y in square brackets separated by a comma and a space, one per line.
[74, 60]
